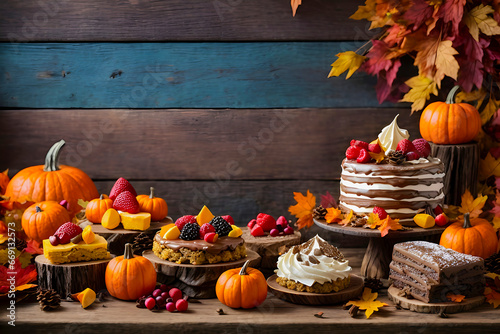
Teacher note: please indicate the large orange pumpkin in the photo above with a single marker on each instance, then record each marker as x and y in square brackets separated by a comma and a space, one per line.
[41, 220]
[129, 277]
[241, 287]
[472, 236]
[96, 208]
[156, 206]
[448, 122]
[53, 182]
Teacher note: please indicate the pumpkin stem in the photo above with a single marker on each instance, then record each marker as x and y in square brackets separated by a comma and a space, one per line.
[243, 270]
[467, 223]
[37, 209]
[152, 192]
[450, 99]
[128, 254]
[52, 157]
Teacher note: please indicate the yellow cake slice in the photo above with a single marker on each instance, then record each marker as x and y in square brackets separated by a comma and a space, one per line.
[70, 252]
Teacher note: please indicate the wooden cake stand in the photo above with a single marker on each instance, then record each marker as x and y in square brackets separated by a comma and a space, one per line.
[196, 281]
[118, 237]
[378, 254]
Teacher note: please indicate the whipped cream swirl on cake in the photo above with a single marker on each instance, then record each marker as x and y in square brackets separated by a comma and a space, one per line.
[391, 135]
[313, 261]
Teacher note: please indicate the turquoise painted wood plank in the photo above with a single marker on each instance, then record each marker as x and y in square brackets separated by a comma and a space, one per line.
[178, 75]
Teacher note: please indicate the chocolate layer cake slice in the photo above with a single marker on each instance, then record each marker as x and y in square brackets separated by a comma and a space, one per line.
[429, 271]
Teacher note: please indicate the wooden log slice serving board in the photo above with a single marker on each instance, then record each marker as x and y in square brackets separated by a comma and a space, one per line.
[196, 281]
[307, 298]
[73, 277]
[419, 306]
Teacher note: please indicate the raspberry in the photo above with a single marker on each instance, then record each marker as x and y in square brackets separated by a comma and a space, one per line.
[252, 223]
[352, 152]
[229, 219]
[206, 228]
[364, 156]
[282, 221]
[221, 226]
[67, 231]
[185, 220]
[266, 221]
[257, 231]
[359, 143]
[405, 146]
[210, 237]
[375, 148]
[412, 156]
[126, 201]
[190, 232]
[120, 186]
[422, 146]
[380, 212]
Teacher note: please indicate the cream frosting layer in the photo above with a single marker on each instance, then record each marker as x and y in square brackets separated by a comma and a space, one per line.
[311, 265]
[414, 199]
[382, 186]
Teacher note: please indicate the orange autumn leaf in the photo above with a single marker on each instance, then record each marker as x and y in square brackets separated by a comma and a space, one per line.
[34, 247]
[455, 298]
[347, 219]
[489, 166]
[295, 4]
[492, 297]
[373, 220]
[4, 180]
[303, 209]
[333, 215]
[472, 206]
[368, 302]
[389, 224]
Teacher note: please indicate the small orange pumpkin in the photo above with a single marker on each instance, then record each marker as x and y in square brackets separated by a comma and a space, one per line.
[241, 287]
[4, 181]
[41, 220]
[96, 208]
[156, 206]
[129, 277]
[472, 236]
[448, 122]
[53, 182]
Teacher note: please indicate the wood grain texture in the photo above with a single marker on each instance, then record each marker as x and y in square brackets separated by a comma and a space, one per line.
[177, 20]
[179, 75]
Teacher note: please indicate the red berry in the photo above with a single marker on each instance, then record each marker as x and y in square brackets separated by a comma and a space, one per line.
[211, 237]
[54, 240]
[164, 295]
[441, 220]
[67, 231]
[352, 152]
[438, 210]
[164, 287]
[126, 201]
[150, 303]
[160, 301]
[257, 231]
[274, 232]
[375, 148]
[229, 219]
[282, 221]
[412, 156]
[363, 157]
[175, 294]
[359, 143]
[205, 229]
[422, 146]
[380, 212]
[170, 307]
[266, 221]
[288, 230]
[188, 219]
[120, 186]
[252, 223]
[156, 293]
[405, 146]
[181, 305]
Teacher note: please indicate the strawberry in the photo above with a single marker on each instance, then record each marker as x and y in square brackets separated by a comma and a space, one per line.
[441, 220]
[206, 228]
[412, 156]
[359, 143]
[352, 152]
[211, 237]
[422, 146]
[120, 186]
[251, 223]
[188, 219]
[266, 222]
[229, 219]
[375, 148]
[67, 231]
[380, 212]
[363, 157]
[126, 201]
[257, 231]
[405, 146]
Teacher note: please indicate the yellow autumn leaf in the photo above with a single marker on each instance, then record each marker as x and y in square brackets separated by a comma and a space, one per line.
[421, 90]
[446, 64]
[365, 12]
[82, 203]
[333, 215]
[373, 220]
[478, 19]
[490, 110]
[496, 223]
[488, 166]
[473, 206]
[347, 219]
[25, 287]
[475, 95]
[492, 275]
[348, 60]
[3, 238]
[368, 302]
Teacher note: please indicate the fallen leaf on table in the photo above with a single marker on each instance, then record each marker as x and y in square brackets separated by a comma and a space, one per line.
[327, 201]
[347, 219]
[389, 224]
[492, 297]
[473, 206]
[303, 209]
[455, 298]
[333, 215]
[368, 302]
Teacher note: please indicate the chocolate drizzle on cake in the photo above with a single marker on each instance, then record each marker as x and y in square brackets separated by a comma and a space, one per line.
[325, 249]
[223, 243]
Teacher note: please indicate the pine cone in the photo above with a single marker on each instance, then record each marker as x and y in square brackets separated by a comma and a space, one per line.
[141, 243]
[48, 299]
[21, 244]
[492, 264]
[396, 157]
[373, 283]
[319, 212]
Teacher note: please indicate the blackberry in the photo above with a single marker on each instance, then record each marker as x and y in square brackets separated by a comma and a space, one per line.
[222, 227]
[190, 232]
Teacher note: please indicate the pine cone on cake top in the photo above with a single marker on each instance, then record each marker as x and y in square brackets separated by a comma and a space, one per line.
[48, 299]
[396, 157]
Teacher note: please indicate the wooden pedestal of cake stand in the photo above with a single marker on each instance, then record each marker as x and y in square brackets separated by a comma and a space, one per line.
[196, 281]
[118, 237]
[378, 254]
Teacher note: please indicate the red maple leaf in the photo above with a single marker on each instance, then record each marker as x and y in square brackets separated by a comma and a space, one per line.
[471, 72]
[418, 13]
[15, 273]
[34, 247]
[377, 60]
[327, 201]
[385, 81]
[452, 11]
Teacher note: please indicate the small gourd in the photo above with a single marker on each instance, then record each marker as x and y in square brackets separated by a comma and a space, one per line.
[96, 208]
[156, 206]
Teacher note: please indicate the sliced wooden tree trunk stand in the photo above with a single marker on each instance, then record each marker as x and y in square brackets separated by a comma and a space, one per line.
[461, 164]
[71, 277]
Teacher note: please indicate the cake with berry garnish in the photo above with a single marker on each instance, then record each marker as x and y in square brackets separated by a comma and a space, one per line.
[314, 266]
[201, 239]
[391, 173]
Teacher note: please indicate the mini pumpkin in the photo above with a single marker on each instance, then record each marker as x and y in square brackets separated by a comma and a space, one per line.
[41, 220]
[241, 287]
[472, 236]
[129, 277]
[156, 206]
[448, 122]
[96, 208]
